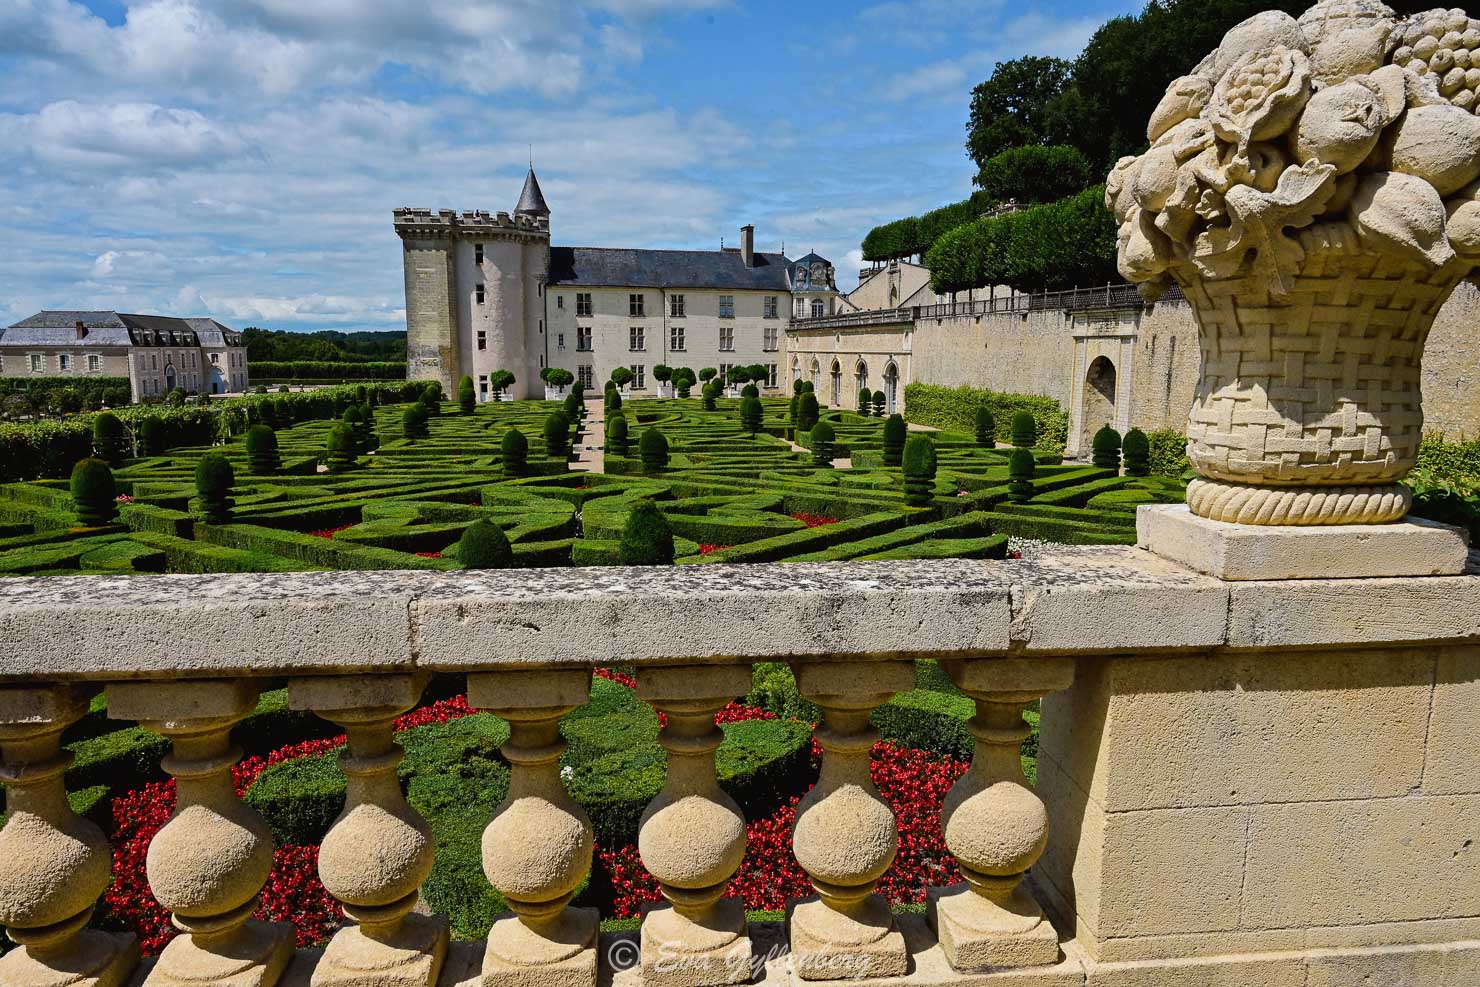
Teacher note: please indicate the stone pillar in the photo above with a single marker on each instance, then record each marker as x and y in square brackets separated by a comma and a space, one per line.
[379, 850]
[845, 837]
[53, 865]
[995, 824]
[693, 836]
[538, 846]
[209, 862]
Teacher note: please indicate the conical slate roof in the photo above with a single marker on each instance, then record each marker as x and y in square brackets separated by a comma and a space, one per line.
[532, 200]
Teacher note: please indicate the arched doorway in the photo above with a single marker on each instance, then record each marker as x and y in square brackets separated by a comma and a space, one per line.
[218, 381]
[837, 384]
[816, 376]
[1098, 408]
[891, 387]
[860, 373]
[169, 377]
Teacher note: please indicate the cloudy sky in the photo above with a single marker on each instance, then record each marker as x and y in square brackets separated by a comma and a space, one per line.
[241, 158]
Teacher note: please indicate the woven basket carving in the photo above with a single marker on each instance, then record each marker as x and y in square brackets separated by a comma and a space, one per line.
[1322, 390]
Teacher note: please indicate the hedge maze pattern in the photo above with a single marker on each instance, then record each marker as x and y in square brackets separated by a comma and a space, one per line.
[729, 496]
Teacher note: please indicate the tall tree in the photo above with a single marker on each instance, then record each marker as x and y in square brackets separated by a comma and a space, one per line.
[1007, 109]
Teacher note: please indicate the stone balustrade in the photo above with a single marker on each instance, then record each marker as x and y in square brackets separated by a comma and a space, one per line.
[1239, 783]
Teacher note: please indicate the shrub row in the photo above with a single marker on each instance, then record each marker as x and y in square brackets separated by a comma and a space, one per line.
[1060, 245]
[917, 234]
[954, 409]
[316, 370]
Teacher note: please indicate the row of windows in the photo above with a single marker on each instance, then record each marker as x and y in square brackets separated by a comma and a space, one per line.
[677, 305]
[37, 363]
[586, 374]
[677, 339]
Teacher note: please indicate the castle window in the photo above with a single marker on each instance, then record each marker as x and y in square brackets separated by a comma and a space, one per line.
[726, 306]
[560, 301]
[639, 381]
[483, 386]
[675, 306]
[770, 375]
[215, 359]
[770, 312]
[479, 295]
[583, 303]
[94, 362]
[636, 305]
[726, 339]
[37, 363]
[586, 374]
[560, 340]
[583, 339]
[636, 339]
[482, 339]
[817, 309]
[64, 362]
[675, 339]
[771, 344]
[478, 254]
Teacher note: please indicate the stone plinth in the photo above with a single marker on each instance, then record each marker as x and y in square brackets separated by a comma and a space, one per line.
[1240, 552]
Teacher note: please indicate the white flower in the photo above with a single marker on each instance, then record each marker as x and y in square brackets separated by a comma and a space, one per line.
[567, 773]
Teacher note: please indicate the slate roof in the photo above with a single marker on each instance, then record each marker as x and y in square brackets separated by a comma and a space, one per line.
[531, 200]
[812, 258]
[59, 328]
[697, 269]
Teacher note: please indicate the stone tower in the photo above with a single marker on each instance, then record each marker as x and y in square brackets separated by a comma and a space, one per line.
[475, 285]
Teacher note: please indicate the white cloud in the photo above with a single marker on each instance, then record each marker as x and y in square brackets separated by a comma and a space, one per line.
[116, 135]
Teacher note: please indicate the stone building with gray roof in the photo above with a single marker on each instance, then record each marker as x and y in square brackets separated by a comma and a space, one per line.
[487, 292]
[157, 353]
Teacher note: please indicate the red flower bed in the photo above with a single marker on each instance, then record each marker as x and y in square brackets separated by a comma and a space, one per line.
[330, 532]
[708, 549]
[429, 555]
[814, 520]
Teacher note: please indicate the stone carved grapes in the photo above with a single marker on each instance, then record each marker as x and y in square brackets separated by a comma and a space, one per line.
[1347, 129]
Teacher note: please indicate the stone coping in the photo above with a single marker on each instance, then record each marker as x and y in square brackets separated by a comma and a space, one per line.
[1067, 601]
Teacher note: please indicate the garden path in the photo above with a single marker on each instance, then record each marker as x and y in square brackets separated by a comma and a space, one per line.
[590, 444]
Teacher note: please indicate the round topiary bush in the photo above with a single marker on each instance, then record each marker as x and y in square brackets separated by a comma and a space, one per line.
[514, 448]
[414, 422]
[808, 412]
[808, 387]
[895, 433]
[151, 436]
[1137, 451]
[573, 407]
[1024, 430]
[750, 391]
[214, 479]
[467, 397]
[653, 447]
[823, 437]
[711, 395]
[919, 471]
[617, 443]
[865, 401]
[797, 387]
[1105, 449]
[431, 400]
[485, 546]
[109, 439]
[1020, 469]
[262, 450]
[647, 538]
[880, 401]
[94, 494]
[557, 435]
[340, 449]
[752, 414]
[986, 428]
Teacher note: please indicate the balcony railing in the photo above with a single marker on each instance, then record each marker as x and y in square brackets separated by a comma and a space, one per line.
[1112, 297]
[1224, 770]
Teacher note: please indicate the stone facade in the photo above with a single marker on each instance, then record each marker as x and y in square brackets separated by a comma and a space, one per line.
[156, 353]
[488, 292]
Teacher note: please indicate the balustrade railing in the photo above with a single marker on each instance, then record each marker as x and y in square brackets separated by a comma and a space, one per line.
[527, 643]
[1110, 297]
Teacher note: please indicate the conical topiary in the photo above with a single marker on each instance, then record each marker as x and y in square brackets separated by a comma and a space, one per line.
[865, 401]
[647, 538]
[431, 400]
[414, 422]
[752, 414]
[895, 433]
[1024, 430]
[807, 412]
[514, 450]
[653, 447]
[750, 391]
[986, 428]
[214, 479]
[1105, 449]
[573, 408]
[613, 399]
[710, 395]
[617, 443]
[1020, 470]
[484, 545]
[262, 450]
[467, 397]
[109, 439]
[880, 400]
[151, 436]
[919, 471]
[340, 449]
[557, 435]
[1136, 448]
[94, 494]
[822, 440]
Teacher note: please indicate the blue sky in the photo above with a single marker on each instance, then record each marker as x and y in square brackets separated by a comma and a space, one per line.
[240, 158]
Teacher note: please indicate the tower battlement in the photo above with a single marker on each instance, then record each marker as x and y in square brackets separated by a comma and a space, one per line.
[423, 223]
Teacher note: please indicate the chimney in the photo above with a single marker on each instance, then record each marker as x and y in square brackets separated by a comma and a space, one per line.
[747, 245]
[81, 331]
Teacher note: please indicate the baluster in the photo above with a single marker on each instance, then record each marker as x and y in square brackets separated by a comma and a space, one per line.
[995, 824]
[53, 864]
[209, 862]
[692, 836]
[845, 837]
[537, 848]
[379, 850]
